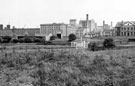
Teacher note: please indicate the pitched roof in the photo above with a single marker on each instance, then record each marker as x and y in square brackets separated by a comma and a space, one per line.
[119, 24]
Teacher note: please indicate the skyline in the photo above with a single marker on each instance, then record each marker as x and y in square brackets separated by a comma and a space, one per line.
[32, 13]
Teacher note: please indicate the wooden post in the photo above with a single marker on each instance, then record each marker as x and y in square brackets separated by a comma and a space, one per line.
[13, 49]
[26, 48]
[38, 49]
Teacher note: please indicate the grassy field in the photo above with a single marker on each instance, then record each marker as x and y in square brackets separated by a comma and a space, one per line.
[68, 67]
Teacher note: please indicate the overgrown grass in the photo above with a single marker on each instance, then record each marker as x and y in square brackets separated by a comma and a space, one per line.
[69, 68]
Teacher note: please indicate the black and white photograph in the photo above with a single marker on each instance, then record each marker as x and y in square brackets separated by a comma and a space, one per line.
[67, 43]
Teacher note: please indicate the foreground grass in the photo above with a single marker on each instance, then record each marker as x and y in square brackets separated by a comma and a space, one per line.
[69, 68]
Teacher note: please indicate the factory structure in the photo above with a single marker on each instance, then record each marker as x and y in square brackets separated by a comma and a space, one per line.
[86, 28]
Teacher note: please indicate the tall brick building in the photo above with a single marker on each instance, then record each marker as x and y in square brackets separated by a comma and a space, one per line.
[58, 29]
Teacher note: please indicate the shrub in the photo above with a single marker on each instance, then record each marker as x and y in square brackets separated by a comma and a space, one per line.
[7, 39]
[92, 46]
[28, 40]
[14, 40]
[108, 43]
[21, 40]
[53, 37]
[1, 39]
[71, 37]
[36, 40]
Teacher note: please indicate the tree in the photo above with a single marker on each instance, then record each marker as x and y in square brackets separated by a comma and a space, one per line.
[21, 40]
[108, 43]
[7, 39]
[1, 40]
[14, 40]
[71, 37]
[53, 37]
[92, 46]
[28, 40]
[37, 40]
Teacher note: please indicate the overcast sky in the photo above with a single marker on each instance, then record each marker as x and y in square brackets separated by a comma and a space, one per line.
[32, 13]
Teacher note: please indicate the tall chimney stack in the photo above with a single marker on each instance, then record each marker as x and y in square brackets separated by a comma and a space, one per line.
[103, 24]
[87, 17]
[111, 24]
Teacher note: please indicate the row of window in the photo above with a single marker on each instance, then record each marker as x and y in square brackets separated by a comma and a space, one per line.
[128, 28]
[127, 33]
[51, 27]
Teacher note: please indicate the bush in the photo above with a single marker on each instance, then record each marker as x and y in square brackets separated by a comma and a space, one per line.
[14, 40]
[53, 37]
[21, 40]
[1, 40]
[28, 40]
[6, 39]
[71, 37]
[37, 40]
[108, 43]
[93, 46]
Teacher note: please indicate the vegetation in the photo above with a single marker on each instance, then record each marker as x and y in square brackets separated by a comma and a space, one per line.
[6, 39]
[92, 46]
[14, 41]
[1, 39]
[21, 40]
[71, 37]
[108, 43]
[37, 40]
[28, 40]
[68, 68]
[53, 37]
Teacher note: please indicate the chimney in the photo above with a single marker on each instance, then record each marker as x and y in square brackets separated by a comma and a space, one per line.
[103, 24]
[111, 24]
[87, 17]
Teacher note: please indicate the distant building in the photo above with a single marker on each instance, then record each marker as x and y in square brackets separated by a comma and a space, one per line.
[108, 33]
[28, 31]
[19, 31]
[88, 25]
[8, 27]
[79, 32]
[5, 32]
[1, 26]
[125, 28]
[107, 26]
[71, 30]
[73, 22]
[58, 29]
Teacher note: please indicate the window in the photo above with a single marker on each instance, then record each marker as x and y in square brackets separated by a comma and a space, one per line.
[128, 28]
[128, 34]
[124, 33]
[131, 28]
[131, 33]
[125, 28]
[122, 28]
[121, 33]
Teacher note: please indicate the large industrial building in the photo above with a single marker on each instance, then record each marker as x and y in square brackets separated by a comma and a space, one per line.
[58, 29]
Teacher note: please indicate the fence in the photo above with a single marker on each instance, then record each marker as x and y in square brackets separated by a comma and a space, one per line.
[6, 49]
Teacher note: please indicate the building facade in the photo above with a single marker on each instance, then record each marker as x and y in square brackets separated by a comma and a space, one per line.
[19, 31]
[126, 28]
[58, 29]
[1, 26]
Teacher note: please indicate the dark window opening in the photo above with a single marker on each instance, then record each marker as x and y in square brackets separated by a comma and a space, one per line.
[59, 36]
[128, 34]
